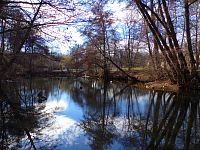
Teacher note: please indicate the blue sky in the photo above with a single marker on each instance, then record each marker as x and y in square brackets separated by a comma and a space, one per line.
[63, 34]
[68, 35]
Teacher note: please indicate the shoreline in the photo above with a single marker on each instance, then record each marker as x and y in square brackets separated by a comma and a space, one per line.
[158, 85]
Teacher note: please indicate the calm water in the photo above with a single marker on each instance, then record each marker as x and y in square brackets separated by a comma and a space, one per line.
[91, 115]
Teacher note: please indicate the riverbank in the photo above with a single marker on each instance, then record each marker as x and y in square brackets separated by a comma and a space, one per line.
[141, 78]
[164, 85]
[147, 80]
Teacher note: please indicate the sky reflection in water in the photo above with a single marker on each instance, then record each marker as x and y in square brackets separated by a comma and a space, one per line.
[63, 131]
[98, 116]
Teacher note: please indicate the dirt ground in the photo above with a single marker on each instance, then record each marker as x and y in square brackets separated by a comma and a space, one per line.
[159, 85]
[149, 81]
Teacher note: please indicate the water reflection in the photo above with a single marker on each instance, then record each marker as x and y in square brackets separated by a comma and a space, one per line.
[88, 114]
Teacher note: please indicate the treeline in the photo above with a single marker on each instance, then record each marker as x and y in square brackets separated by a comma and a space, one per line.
[167, 30]
[160, 35]
[25, 34]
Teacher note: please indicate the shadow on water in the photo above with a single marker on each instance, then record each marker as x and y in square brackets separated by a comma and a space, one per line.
[165, 121]
[20, 119]
[112, 116]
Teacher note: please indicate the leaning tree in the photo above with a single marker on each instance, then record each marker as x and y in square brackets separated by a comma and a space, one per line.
[168, 28]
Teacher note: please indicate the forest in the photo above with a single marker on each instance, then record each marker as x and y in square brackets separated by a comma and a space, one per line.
[146, 41]
[99, 74]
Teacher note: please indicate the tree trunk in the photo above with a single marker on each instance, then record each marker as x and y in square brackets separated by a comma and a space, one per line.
[188, 37]
[171, 51]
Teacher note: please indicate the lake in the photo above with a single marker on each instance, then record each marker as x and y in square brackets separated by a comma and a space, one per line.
[83, 114]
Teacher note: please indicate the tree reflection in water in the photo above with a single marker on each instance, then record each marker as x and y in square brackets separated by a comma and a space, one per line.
[20, 119]
[114, 116]
[165, 121]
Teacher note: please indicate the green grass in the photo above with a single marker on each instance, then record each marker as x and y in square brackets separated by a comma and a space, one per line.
[136, 69]
[132, 69]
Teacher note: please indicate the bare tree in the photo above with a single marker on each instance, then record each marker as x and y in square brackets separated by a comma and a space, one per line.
[183, 72]
[23, 21]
